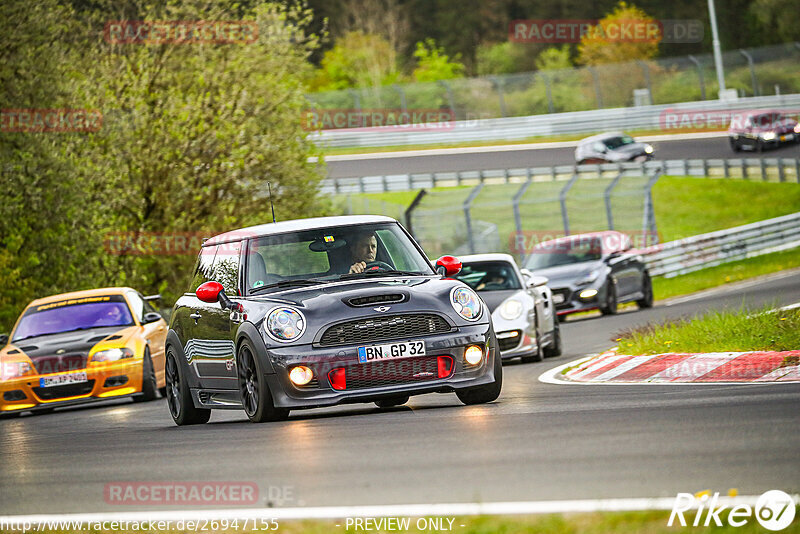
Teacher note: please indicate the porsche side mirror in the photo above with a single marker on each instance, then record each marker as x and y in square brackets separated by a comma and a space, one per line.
[151, 317]
[448, 266]
[212, 292]
[3, 340]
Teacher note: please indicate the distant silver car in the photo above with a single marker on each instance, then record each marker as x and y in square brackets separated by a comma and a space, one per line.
[611, 147]
[521, 304]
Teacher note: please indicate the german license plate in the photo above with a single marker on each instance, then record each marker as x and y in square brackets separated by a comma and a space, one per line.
[60, 380]
[391, 351]
[558, 298]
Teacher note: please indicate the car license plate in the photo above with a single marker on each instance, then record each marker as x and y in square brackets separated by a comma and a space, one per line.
[392, 351]
[558, 298]
[60, 380]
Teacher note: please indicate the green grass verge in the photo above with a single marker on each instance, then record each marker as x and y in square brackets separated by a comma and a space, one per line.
[739, 330]
[654, 522]
[664, 288]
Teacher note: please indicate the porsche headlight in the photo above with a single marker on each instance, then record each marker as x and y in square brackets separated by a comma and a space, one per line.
[112, 355]
[466, 303]
[589, 278]
[511, 309]
[285, 324]
[11, 370]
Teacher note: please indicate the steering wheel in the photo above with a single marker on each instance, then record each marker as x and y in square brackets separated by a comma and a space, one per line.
[378, 266]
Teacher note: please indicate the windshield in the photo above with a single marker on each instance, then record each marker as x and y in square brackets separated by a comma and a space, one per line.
[564, 252]
[73, 314]
[616, 142]
[489, 276]
[329, 253]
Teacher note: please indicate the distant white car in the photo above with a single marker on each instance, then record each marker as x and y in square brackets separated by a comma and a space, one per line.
[521, 304]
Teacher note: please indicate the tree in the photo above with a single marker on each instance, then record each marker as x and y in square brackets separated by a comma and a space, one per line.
[357, 60]
[434, 65]
[555, 58]
[601, 44]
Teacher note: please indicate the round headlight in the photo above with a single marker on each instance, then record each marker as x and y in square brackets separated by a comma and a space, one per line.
[285, 324]
[511, 309]
[466, 303]
[473, 355]
[301, 375]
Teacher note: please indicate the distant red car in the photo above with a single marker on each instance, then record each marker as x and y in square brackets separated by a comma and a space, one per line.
[756, 130]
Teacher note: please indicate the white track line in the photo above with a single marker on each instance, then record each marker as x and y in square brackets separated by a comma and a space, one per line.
[404, 510]
[501, 148]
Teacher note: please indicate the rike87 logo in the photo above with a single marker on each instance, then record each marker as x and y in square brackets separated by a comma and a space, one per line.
[774, 510]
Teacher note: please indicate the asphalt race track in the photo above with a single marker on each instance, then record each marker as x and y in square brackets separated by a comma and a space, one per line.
[704, 148]
[537, 442]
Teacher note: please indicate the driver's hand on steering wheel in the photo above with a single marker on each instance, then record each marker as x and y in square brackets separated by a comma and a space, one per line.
[358, 267]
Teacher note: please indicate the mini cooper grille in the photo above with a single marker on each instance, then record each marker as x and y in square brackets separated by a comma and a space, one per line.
[509, 342]
[376, 299]
[391, 372]
[383, 328]
[59, 364]
[67, 390]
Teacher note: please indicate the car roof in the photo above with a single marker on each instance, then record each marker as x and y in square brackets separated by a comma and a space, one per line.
[589, 235]
[602, 136]
[471, 258]
[81, 294]
[294, 226]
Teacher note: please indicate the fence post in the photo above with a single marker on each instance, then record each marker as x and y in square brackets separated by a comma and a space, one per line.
[749, 59]
[356, 100]
[450, 100]
[646, 70]
[797, 170]
[699, 76]
[781, 175]
[468, 217]
[649, 222]
[705, 167]
[763, 169]
[607, 196]
[410, 210]
[562, 198]
[725, 169]
[498, 85]
[597, 93]
[515, 204]
[402, 94]
[550, 107]
[744, 169]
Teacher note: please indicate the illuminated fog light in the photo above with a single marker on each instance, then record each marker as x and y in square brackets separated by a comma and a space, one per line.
[473, 355]
[301, 375]
[588, 293]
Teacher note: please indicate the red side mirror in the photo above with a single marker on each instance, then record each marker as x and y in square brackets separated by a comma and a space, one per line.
[450, 264]
[209, 291]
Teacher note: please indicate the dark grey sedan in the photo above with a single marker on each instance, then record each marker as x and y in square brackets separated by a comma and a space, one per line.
[592, 271]
[612, 148]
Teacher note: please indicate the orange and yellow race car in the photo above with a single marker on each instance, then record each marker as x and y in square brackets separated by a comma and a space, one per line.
[82, 346]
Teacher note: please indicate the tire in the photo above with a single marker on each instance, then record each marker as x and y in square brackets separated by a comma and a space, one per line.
[611, 304]
[149, 384]
[647, 288]
[179, 399]
[255, 395]
[555, 347]
[392, 401]
[735, 145]
[488, 392]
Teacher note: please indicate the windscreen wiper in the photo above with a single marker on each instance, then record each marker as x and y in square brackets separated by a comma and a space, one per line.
[297, 282]
[350, 276]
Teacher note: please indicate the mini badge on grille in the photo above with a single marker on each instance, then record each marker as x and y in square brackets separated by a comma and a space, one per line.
[382, 308]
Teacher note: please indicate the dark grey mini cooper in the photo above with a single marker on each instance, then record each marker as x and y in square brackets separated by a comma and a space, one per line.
[319, 312]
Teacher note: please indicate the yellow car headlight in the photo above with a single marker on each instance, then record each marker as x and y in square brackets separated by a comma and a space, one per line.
[112, 355]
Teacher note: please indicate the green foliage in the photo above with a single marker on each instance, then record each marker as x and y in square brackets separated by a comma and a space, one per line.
[434, 65]
[505, 57]
[598, 48]
[554, 58]
[357, 60]
[191, 134]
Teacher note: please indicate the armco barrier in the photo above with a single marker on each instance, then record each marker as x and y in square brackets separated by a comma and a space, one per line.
[576, 122]
[706, 250]
[766, 169]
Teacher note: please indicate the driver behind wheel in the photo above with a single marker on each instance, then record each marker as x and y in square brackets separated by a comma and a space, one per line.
[363, 248]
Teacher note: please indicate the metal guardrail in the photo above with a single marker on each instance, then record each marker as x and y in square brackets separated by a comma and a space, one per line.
[766, 169]
[707, 250]
[506, 129]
